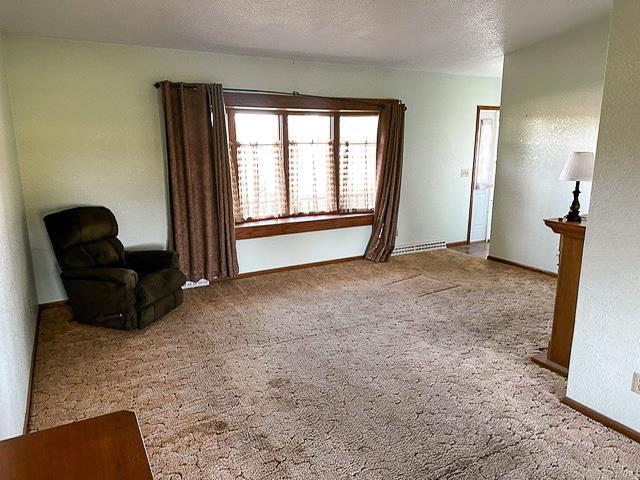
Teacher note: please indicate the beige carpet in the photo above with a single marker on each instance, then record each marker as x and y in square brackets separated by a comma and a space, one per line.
[415, 369]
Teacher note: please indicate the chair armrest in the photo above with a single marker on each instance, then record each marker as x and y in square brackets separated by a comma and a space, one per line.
[120, 276]
[147, 260]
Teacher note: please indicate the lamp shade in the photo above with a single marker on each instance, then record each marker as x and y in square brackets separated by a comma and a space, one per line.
[579, 167]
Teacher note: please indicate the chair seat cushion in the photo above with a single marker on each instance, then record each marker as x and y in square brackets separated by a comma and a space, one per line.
[158, 284]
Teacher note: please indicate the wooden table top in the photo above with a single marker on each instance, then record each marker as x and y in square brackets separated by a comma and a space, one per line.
[101, 448]
[574, 229]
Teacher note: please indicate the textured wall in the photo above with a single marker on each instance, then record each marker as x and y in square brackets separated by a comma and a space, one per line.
[551, 94]
[17, 290]
[606, 344]
[88, 127]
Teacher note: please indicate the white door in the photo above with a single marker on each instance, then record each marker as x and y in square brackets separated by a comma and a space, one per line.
[480, 215]
[484, 175]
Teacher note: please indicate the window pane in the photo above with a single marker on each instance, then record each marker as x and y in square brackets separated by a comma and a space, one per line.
[358, 136]
[261, 181]
[261, 128]
[311, 169]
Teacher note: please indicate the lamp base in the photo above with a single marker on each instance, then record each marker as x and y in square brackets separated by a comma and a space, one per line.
[574, 210]
[570, 217]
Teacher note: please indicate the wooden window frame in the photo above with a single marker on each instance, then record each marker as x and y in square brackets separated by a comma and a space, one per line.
[301, 223]
[283, 105]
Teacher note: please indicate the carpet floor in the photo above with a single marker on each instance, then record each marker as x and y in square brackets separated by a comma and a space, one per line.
[414, 369]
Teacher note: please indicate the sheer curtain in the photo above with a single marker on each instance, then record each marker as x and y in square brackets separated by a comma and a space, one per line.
[357, 163]
[311, 165]
[302, 163]
[261, 181]
[311, 178]
[260, 175]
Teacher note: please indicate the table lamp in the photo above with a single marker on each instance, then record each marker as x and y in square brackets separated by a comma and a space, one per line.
[579, 168]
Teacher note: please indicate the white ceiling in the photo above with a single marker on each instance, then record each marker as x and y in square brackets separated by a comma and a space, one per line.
[458, 36]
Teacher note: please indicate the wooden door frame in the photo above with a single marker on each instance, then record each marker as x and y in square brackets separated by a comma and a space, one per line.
[479, 109]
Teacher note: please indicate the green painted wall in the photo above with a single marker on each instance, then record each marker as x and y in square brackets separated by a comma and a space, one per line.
[18, 306]
[606, 340]
[88, 128]
[551, 96]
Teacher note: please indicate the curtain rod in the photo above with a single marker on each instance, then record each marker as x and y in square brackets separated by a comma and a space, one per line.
[293, 93]
[243, 90]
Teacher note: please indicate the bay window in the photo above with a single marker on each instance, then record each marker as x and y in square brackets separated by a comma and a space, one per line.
[296, 160]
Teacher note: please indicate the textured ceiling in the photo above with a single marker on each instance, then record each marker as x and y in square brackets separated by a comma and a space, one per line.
[459, 36]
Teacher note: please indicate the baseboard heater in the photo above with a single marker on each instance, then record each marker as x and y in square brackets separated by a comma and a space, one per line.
[418, 247]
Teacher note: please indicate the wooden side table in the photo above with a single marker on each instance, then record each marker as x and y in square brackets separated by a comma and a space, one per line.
[556, 358]
[108, 447]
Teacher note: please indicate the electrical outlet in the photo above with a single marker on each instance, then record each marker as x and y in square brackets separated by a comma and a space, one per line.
[635, 386]
[464, 173]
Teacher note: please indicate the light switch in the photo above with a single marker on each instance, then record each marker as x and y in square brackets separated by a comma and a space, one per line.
[464, 173]
[635, 386]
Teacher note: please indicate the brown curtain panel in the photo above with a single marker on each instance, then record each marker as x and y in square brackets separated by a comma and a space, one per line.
[203, 227]
[389, 167]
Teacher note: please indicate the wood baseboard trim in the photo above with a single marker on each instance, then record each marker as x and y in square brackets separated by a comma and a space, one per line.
[602, 419]
[542, 360]
[520, 265]
[295, 267]
[49, 305]
[457, 244]
[65, 303]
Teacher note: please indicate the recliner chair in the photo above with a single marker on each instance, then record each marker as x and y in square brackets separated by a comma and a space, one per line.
[106, 284]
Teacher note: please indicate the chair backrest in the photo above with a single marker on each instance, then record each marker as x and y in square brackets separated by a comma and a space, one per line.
[85, 237]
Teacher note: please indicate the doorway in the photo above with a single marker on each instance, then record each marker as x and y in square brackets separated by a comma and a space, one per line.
[483, 174]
